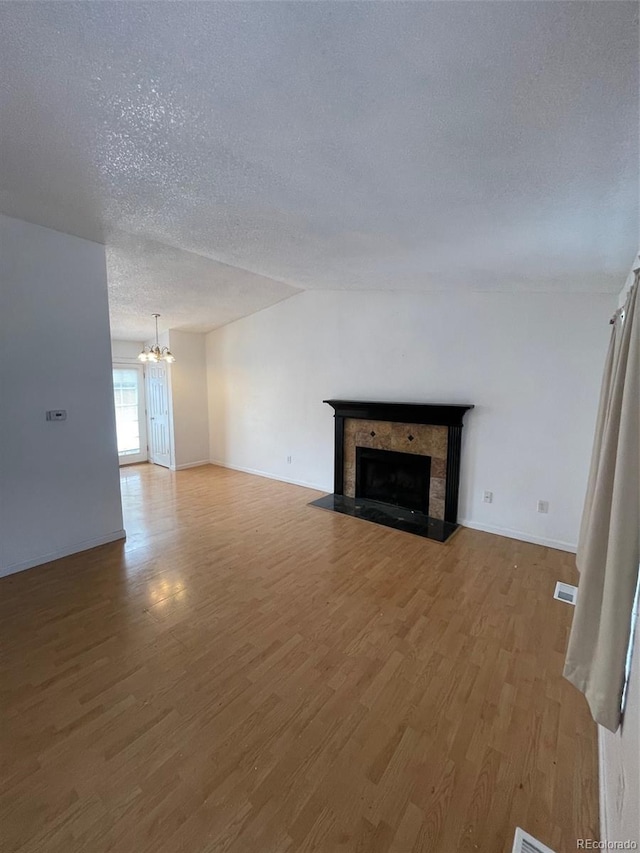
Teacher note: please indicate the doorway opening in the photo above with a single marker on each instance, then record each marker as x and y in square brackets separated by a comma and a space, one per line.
[131, 429]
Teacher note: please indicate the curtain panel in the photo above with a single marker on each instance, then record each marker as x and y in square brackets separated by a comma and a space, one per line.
[609, 543]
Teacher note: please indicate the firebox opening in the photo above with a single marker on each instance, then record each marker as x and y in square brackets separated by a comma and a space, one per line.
[401, 479]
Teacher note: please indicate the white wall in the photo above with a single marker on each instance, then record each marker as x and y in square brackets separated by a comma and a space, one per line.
[531, 363]
[126, 351]
[620, 765]
[190, 424]
[59, 482]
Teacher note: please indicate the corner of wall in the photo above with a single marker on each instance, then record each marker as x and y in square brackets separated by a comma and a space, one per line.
[62, 477]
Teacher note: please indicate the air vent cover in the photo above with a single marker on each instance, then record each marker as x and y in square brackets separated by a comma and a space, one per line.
[525, 843]
[566, 592]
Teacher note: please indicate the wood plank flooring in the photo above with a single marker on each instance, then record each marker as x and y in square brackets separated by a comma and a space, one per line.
[250, 674]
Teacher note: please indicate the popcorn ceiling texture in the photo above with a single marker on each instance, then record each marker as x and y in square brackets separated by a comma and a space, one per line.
[144, 273]
[229, 154]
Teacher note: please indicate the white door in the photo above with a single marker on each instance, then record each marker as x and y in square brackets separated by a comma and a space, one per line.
[131, 426]
[158, 411]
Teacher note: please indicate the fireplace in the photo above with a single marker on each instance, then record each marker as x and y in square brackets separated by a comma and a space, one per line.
[398, 464]
[401, 479]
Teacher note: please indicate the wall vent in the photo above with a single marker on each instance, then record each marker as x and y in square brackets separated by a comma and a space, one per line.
[525, 843]
[566, 592]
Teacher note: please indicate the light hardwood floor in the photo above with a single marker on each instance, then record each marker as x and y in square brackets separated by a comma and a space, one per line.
[254, 675]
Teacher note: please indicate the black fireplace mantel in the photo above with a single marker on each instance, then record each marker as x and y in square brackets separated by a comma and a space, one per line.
[436, 414]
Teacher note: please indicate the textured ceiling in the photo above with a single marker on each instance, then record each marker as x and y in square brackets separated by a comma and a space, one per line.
[190, 291]
[231, 153]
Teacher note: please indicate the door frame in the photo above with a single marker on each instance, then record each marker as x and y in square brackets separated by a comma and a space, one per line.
[150, 453]
[143, 456]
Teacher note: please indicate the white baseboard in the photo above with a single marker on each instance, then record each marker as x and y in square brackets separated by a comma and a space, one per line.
[474, 525]
[281, 479]
[190, 465]
[558, 544]
[85, 545]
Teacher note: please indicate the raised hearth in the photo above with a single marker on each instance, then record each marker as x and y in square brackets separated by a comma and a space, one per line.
[398, 464]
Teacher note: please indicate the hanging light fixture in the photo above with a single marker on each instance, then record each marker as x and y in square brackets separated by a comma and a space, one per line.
[155, 353]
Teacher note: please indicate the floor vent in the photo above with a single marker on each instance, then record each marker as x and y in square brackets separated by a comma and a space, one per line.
[525, 843]
[566, 592]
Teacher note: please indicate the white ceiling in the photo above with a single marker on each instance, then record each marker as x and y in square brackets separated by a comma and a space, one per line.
[229, 154]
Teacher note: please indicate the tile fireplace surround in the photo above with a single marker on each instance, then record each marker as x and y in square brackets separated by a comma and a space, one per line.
[431, 430]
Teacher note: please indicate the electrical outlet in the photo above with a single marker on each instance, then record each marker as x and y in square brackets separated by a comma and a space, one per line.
[57, 415]
[543, 506]
[487, 497]
[288, 460]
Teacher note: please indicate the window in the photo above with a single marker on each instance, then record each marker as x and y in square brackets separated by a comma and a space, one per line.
[127, 398]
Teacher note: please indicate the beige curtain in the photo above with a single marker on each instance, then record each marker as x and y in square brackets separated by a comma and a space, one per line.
[609, 543]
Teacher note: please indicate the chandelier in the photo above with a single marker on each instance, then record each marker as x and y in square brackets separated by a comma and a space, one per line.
[155, 353]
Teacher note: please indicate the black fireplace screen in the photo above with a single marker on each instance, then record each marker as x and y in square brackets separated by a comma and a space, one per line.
[395, 478]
